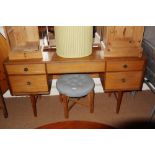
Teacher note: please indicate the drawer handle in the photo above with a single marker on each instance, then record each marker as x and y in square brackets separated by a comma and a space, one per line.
[123, 80]
[28, 83]
[26, 69]
[125, 66]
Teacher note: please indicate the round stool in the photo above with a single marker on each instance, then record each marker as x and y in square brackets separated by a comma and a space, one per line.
[75, 86]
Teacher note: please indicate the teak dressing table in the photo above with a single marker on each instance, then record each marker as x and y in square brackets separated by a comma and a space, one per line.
[30, 77]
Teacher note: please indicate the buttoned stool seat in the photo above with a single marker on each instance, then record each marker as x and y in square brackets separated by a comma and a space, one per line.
[75, 86]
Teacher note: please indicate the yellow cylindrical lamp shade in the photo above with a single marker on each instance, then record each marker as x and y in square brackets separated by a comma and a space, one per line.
[73, 41]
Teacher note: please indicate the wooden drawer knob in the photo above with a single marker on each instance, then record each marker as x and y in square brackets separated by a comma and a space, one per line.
[125, 66]
[26, 69]
[123, 80]
[28, 83]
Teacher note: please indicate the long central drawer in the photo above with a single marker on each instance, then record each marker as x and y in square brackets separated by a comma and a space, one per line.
[75, 67]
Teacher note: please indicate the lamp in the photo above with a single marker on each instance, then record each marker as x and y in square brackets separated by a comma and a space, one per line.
[73, 41]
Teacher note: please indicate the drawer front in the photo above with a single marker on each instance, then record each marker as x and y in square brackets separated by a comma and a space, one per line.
[28, 84]
[124, 65]
[123, 80]
[26, 69]
[73, 67]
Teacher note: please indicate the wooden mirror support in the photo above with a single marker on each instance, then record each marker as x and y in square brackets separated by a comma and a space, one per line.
[23, 42]
[121, 41]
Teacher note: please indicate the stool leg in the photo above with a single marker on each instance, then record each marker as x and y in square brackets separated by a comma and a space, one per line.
[60, 98]
[91, 101]
[65, 100]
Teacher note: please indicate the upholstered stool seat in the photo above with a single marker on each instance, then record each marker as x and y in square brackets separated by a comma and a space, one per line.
[75, 86]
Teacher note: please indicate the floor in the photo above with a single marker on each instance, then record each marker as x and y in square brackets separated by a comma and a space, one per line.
[135, 110]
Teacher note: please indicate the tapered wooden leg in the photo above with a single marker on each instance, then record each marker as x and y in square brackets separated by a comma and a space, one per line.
[60, 98]
[2, 102]
[109, 94]
[34, 101]
[65, 100]
[91, 101]
[119, 100]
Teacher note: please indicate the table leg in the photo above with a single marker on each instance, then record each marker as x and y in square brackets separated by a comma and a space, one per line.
[109, 94]
[3, 105]
[152, 113]
[34, 101]
[119, 100]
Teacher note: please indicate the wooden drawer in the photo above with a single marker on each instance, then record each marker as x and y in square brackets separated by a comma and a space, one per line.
[123, 80]
[125, 65]
[28, 84]
[26, 69]
[75, 67]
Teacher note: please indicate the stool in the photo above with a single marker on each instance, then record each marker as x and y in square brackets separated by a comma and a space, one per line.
[75, 86]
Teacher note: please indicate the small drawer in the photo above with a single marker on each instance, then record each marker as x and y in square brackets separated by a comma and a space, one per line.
[26, 69]
[125, 65]
[28, 84]
[123, 80]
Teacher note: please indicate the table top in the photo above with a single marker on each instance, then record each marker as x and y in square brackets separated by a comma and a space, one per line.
[51, 56]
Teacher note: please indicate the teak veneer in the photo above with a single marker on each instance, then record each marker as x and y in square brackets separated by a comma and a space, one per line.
[116, 74]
